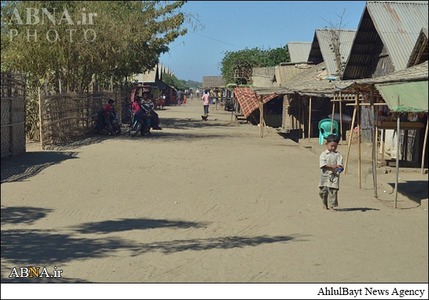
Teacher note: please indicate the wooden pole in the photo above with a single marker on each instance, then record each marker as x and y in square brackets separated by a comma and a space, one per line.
[376, 148]
[301, 124]
[261, 117]
[332, 116]
[309, 120]
[40, 119]
[350, 136]
[398, 127]
[341, 119]
[376, 133]
[374, 145]
[359, 146]
[424, 145]
[383, 139]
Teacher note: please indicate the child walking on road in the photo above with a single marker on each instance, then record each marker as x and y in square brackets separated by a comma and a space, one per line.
[331, 165]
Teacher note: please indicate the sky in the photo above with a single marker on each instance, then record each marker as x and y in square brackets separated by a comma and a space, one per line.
[223, 26]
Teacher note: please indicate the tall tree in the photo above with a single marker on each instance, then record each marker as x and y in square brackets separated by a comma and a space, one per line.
[236, 67]
[74, 42]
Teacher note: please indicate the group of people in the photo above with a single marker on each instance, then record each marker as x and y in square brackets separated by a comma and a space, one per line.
[143, 109]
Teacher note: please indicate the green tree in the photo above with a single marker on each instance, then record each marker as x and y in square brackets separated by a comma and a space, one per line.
[236, 67]
[172, 80]
[124, 37]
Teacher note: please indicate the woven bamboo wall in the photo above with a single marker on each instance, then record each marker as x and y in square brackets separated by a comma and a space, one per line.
[66, 117]
[12, 114]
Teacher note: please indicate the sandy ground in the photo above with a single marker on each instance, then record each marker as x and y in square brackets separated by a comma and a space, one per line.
[206, 202]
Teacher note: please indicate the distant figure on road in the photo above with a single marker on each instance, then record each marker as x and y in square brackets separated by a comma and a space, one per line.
[206, 102]
[331, 165]
[179, 97]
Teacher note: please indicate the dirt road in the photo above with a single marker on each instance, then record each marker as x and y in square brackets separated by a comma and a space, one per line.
[201, 202]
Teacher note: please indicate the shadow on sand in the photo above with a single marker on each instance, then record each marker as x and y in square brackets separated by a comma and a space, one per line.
[51, 248]
[133, 224]
[26, 165]
[361, 209]
[415, 190]
[22, 214]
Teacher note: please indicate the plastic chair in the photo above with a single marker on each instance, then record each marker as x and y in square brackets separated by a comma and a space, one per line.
[325, 129]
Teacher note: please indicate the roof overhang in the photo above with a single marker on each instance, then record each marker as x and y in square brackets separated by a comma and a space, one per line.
[405, 96]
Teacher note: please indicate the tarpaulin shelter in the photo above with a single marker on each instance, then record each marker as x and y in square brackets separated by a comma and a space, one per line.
[405, 96]
[248, 100]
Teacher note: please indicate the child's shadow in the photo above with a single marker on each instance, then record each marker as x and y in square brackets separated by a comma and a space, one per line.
[362, 209]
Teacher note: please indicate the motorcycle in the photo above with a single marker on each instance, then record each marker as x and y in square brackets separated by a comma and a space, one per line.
[140, 124]
[111, 126]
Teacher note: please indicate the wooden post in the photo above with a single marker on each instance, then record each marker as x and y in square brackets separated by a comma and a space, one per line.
[261, 117]
[398, 133]
[309, 120]
[359, 146]
[284, 112]
[332, 115]
[341, 119]
[424, 145]
[383, 139]
[398, 127]
[40, 119]
[374, 145]
[301, 124]
[376, 137]
[351, 133]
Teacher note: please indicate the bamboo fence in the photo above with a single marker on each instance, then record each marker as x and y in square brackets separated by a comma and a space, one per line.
[12, 114]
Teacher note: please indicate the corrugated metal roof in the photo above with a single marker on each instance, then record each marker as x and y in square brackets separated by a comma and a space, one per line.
[414, 73]
[270, 90]
[398, 24]
[299, 51]
[213, 82]
[321, 48]
[164, 69]
[287, 72]
[264, 77]
[420, 50]
[152, 75]
[405, 96]
[312, 82]
[418, 72]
